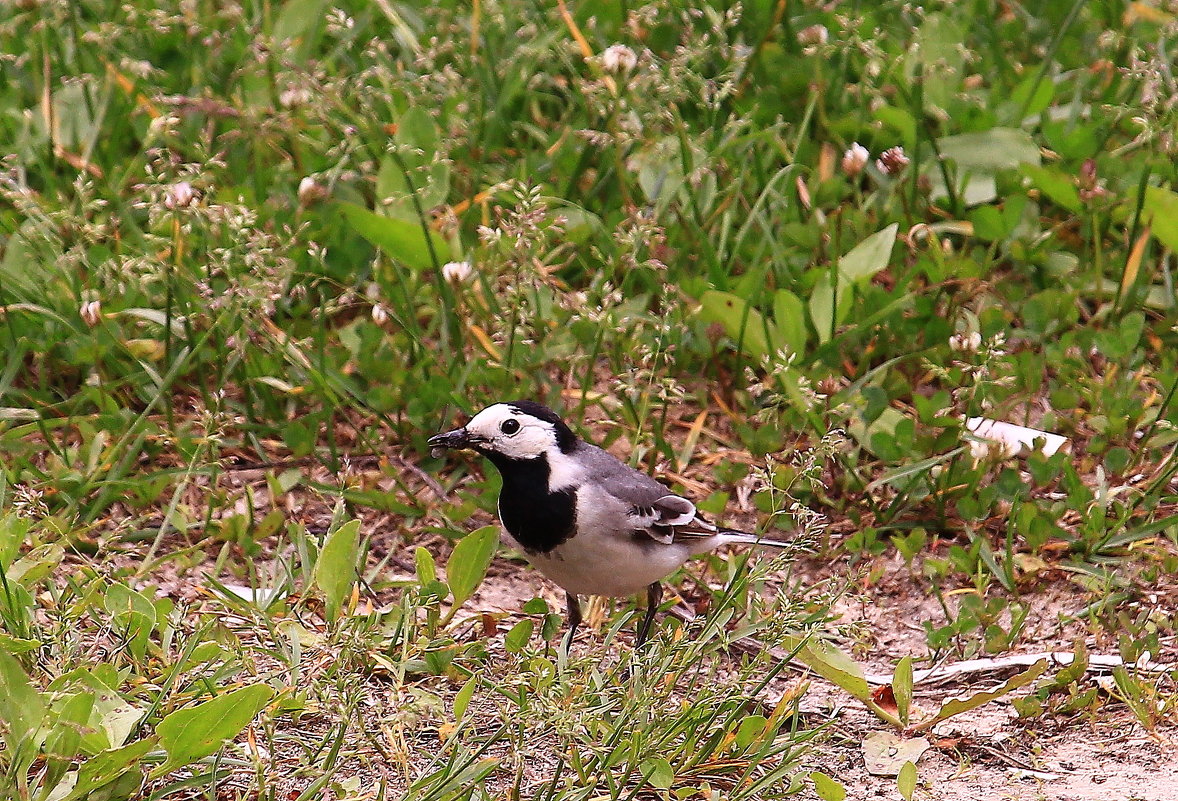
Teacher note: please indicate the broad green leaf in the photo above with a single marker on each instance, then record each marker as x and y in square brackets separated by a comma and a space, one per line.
[335, 570]
[536, 606]
[990, 151]
[741, 323]
[198, 731]
[978, 156]
[885, 753]
[403, 240]
[431, 183]
[906, 781]
[831, 664]
[132, 613]
[424, 565]
[902, 688]
[899, 120]
[956, 706]
[462, 698]
[468, 562]
[1161, 212]
[416, 129]
[103, 768]
[936, 52]
[1033, 94]
[828, 308]
[63, 743]
[300, 21]
[789, 313]
[823, 308]
[751, 730]
[17, 645]
[1055, 184]
[21, 707]
[869, 256]
[827, 788]
[658, 773]
[519, 635]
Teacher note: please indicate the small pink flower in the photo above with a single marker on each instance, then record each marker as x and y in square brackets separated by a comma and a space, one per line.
[180, 195]
[855, 159]
[892, 161]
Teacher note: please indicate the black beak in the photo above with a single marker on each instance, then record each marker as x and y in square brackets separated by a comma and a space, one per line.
[451, 440]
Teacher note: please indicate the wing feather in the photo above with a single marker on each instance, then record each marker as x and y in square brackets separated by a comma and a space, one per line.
[654, 511]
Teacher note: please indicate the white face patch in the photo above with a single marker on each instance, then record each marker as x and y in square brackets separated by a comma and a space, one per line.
[513, 433]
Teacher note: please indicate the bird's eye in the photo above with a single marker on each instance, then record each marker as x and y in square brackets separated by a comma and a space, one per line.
[509, 426]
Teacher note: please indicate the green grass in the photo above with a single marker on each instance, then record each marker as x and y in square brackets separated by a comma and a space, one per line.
[225, 321]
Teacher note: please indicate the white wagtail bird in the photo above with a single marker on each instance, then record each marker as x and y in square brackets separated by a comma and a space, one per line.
[585, 520]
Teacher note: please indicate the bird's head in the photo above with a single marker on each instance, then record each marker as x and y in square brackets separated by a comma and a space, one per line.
[516, 430]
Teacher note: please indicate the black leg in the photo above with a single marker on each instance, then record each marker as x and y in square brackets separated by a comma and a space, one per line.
[654, 594]
[573, 620]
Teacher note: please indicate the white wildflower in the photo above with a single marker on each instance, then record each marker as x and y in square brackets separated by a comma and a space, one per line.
[855, 159]
[456, 271]
[311, 191]
[295, 96]
[965, 342]
[180, 195]
[813, 35]
[618, 58]
[380, 314]
[91, 312]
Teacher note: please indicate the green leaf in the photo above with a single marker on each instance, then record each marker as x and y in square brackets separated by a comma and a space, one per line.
[831, 664]
[936, 53]
[1161, 211]
[869, 256]
[335, 570]
[751, 730]
[536, 606]
[107, 766]
[978, 157]
[1022, 97]
[1056, 185]
[827, 788]
[956, 706]
[990, 151]
[133, 614]
[21, 707]
[462, 698]
[789, 313]
[297, 19]
[658, 773]
[468, 562]
[427, 568]
[519, 635]
[906, 781]
[823, 309]
[417, 130]
[394, 188]
[902, 688]
[198, 731]
[64, 740]
[403, 240]
[742, 323]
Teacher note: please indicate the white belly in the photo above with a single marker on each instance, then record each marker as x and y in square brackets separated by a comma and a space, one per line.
[590, 564]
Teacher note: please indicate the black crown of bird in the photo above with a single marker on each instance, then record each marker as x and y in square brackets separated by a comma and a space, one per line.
[588, 522]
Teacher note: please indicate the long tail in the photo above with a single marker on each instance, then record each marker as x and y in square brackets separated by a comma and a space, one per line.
[745, 538]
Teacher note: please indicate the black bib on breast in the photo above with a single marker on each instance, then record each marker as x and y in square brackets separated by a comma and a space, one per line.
[538, 519]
